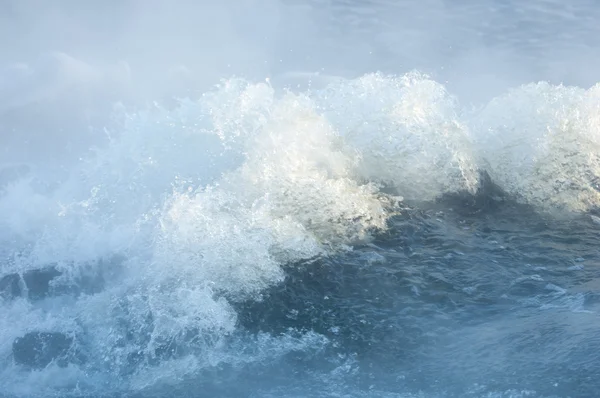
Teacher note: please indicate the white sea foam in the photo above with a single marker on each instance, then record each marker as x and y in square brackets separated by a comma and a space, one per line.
[207, 202]
[541, 144]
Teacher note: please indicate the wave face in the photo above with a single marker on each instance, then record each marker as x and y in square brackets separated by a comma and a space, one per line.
[223, 239]
[540, 143]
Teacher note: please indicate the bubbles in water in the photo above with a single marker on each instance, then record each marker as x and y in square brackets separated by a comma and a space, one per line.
[406, 131]
[540, 143]
[183, 213]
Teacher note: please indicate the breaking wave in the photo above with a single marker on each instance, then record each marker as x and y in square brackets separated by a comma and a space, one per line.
[147, 246]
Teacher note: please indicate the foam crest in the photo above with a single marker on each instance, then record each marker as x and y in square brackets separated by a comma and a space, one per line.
[205, 204]
[300, 161]
[212, 239]
[541, 143]
[407, 132]
[185, 212]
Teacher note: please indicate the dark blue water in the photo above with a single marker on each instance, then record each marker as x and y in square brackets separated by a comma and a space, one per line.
[473, 301]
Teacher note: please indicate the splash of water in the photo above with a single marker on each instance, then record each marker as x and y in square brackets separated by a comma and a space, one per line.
[185, 212]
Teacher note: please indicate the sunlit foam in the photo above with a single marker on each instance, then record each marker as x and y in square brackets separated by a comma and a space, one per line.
[541, 143]
[205, 204]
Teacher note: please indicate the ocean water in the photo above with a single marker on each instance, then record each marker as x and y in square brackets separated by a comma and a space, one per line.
[392, 200]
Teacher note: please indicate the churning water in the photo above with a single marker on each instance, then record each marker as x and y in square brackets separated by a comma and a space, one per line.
[366, 236]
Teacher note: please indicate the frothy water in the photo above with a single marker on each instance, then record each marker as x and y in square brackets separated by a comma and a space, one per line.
[542, 145]
[256, 230]
[339, 233]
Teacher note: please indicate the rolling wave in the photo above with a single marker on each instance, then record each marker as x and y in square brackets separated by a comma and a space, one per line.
[149, 245]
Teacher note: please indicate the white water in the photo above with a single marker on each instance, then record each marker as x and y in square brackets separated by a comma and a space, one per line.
[541, 143]
[195, 208]
[183, 209]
